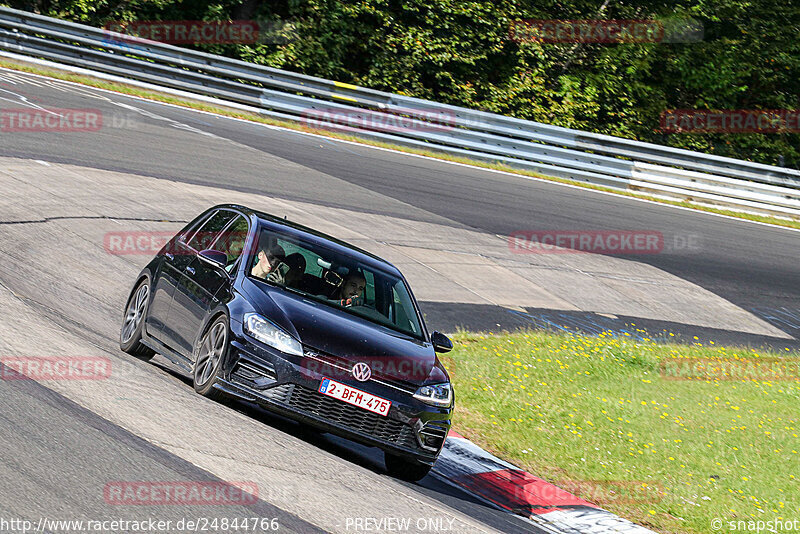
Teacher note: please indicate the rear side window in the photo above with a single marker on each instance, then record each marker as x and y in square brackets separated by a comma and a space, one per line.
[232, 241]
[205, 236]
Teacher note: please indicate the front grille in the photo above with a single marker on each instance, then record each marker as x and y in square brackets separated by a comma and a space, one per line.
[407, 438]
[339, 368]
[336, 411]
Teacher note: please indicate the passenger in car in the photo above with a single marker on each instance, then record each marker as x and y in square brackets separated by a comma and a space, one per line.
[267, 260]
[292, 276]
[351, 292]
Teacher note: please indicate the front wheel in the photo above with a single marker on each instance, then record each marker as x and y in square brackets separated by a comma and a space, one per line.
[209, 357]
[404, 469]
[130, 335]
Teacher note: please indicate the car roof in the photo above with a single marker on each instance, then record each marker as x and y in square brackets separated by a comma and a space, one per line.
[315, 236]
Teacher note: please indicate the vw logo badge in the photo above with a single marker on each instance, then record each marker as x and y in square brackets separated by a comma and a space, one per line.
[361, 372]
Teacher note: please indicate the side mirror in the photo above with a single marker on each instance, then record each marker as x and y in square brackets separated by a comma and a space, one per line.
[214, 257]
[441, 343]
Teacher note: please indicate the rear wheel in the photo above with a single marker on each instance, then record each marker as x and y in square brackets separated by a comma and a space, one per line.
[209, 357]
[405, 469]
[130, 335]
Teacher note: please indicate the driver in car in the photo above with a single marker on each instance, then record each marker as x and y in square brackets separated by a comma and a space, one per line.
[351, 293]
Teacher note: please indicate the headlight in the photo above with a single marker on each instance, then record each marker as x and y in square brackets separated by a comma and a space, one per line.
[437, 394]
[269, 334]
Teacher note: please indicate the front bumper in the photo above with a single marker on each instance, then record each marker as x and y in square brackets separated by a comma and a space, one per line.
[285, 384]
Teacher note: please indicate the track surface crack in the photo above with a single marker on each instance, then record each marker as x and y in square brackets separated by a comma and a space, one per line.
[93, 217]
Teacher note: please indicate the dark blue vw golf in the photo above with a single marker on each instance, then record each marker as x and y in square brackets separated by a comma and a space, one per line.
[275, 313]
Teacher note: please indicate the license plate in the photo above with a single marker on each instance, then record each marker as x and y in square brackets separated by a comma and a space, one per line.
[354, 396]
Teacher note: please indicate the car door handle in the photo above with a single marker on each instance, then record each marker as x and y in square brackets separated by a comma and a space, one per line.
[190, 270]
[169, 256]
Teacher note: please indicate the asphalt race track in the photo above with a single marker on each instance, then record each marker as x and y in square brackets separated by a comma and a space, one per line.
[748, 265]
[152, 167]
[66, 440]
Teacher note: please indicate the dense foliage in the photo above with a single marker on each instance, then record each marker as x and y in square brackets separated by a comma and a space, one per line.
[459, 52]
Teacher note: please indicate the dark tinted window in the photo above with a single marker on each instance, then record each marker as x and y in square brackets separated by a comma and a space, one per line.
[231, 241]
[205, 236]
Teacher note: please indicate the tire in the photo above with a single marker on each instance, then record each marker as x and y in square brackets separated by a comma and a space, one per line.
[130, 335]
[210, 354]
[404, 469]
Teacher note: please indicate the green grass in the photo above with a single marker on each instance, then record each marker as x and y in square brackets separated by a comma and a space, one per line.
[254, 117]
[595, 415]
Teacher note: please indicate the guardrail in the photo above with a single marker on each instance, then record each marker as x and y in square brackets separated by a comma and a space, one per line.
[550, 150]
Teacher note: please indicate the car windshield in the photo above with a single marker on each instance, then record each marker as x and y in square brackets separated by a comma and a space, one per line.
[334, 279]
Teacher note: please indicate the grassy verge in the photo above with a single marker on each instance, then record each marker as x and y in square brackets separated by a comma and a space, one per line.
[230, 112]
[599, 416]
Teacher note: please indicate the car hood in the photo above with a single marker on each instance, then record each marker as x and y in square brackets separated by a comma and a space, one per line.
[342, 339]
